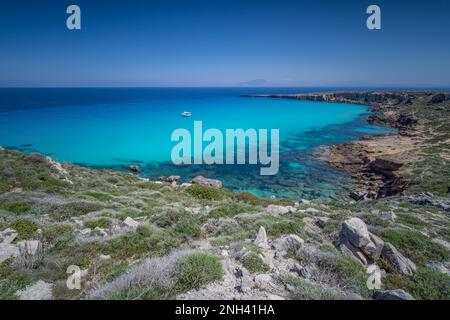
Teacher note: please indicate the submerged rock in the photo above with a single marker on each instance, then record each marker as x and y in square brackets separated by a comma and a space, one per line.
[134, 168]
[288, 243]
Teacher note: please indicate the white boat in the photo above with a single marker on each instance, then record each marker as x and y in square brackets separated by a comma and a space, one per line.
[186, 114]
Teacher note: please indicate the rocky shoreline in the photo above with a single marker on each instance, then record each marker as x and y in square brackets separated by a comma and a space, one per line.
[375, 161]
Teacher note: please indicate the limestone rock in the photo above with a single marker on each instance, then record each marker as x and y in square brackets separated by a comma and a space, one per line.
[29, 247]
[397, 261]
[276, 210]
[170, 179]
[38, 291]
[217, 184]
[322, 221]
[8, 235]
[397, 294]
[374, 248]
[261, 238]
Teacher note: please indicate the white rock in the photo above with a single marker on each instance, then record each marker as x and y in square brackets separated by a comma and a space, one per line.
[8, 235]
[185, 185]
[105, 257]
[287, 243]
[38, 291]
[311, 210]
[399, 263]
[130, 222]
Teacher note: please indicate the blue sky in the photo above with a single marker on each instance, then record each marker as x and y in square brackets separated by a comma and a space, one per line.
[222, 43]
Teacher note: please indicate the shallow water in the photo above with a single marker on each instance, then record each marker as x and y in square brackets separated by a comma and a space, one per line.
[116, 127]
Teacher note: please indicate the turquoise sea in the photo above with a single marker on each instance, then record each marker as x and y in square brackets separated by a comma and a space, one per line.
[112, 128]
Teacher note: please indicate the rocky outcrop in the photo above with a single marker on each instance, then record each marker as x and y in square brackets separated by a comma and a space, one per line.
[213, 183]
[429, 199]
[130, 222]
[261, 238]
[357, 242]
[170, 179]
[397, 262]
[397, 294]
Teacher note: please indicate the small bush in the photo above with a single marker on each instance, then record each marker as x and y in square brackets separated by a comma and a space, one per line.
[230, 209]
[25, 229]
[205, 193]
[188, 228]
[53, 232]
[197, 270]
[427, 284]
[410, 220]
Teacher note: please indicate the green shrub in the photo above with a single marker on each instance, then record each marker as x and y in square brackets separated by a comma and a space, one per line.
[254, 263]
[304, 290]
[197, 270]
[25, 229]
[416, 246]
[410, 220]
[205, 193]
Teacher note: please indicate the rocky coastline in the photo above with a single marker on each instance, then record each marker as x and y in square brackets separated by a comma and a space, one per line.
[375, 161]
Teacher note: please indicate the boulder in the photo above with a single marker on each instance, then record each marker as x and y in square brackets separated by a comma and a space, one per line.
[288, 243]
[8, 236]
[374, 248]
[397, 294]
[207, 182]
[438, 98]
[38, 291]
[355, 230]
[397, 262]
[263, 281]
[134, 168]
[261, 238]
[101, 231]
[130, 222]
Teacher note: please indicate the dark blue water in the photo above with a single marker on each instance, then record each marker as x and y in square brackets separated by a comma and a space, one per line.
[116, 127]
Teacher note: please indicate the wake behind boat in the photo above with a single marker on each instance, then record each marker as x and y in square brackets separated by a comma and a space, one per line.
[186, 114]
